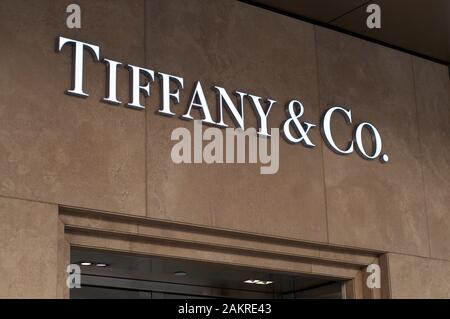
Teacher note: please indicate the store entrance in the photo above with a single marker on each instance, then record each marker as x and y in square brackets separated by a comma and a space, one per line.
[114, 275]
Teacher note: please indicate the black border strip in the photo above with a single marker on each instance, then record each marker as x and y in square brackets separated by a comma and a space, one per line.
[338, 29]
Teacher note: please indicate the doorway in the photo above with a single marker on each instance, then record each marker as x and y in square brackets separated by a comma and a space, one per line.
[112, 275]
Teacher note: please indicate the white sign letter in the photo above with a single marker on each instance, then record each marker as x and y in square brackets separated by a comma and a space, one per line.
[326, 129]
[167, 95]
[262, 116]
[136, 87]
[111, 81]
[78, 63]
[198, 101]
[237, 116]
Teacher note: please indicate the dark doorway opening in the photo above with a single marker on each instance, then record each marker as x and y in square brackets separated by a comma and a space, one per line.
[106, 274]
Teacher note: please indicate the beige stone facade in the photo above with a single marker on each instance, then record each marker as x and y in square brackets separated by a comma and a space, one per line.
[80, 172]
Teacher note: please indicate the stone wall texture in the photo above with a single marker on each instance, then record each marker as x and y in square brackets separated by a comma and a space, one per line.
[63, 150]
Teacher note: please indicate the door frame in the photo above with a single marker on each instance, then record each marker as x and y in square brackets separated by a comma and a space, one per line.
[147, 236]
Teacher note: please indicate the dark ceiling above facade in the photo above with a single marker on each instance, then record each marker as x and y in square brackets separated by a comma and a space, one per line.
[418, 26]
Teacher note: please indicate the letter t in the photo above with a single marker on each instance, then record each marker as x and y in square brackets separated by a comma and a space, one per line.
[78, 63]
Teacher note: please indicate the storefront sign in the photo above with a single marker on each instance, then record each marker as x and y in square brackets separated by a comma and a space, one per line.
[293, 129]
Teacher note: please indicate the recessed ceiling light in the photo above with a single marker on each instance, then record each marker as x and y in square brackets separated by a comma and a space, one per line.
[180, 273]
[258, 282]
[85, 263]
[101, 265]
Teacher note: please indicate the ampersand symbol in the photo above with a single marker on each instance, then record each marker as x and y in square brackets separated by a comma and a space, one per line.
[302, 129]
